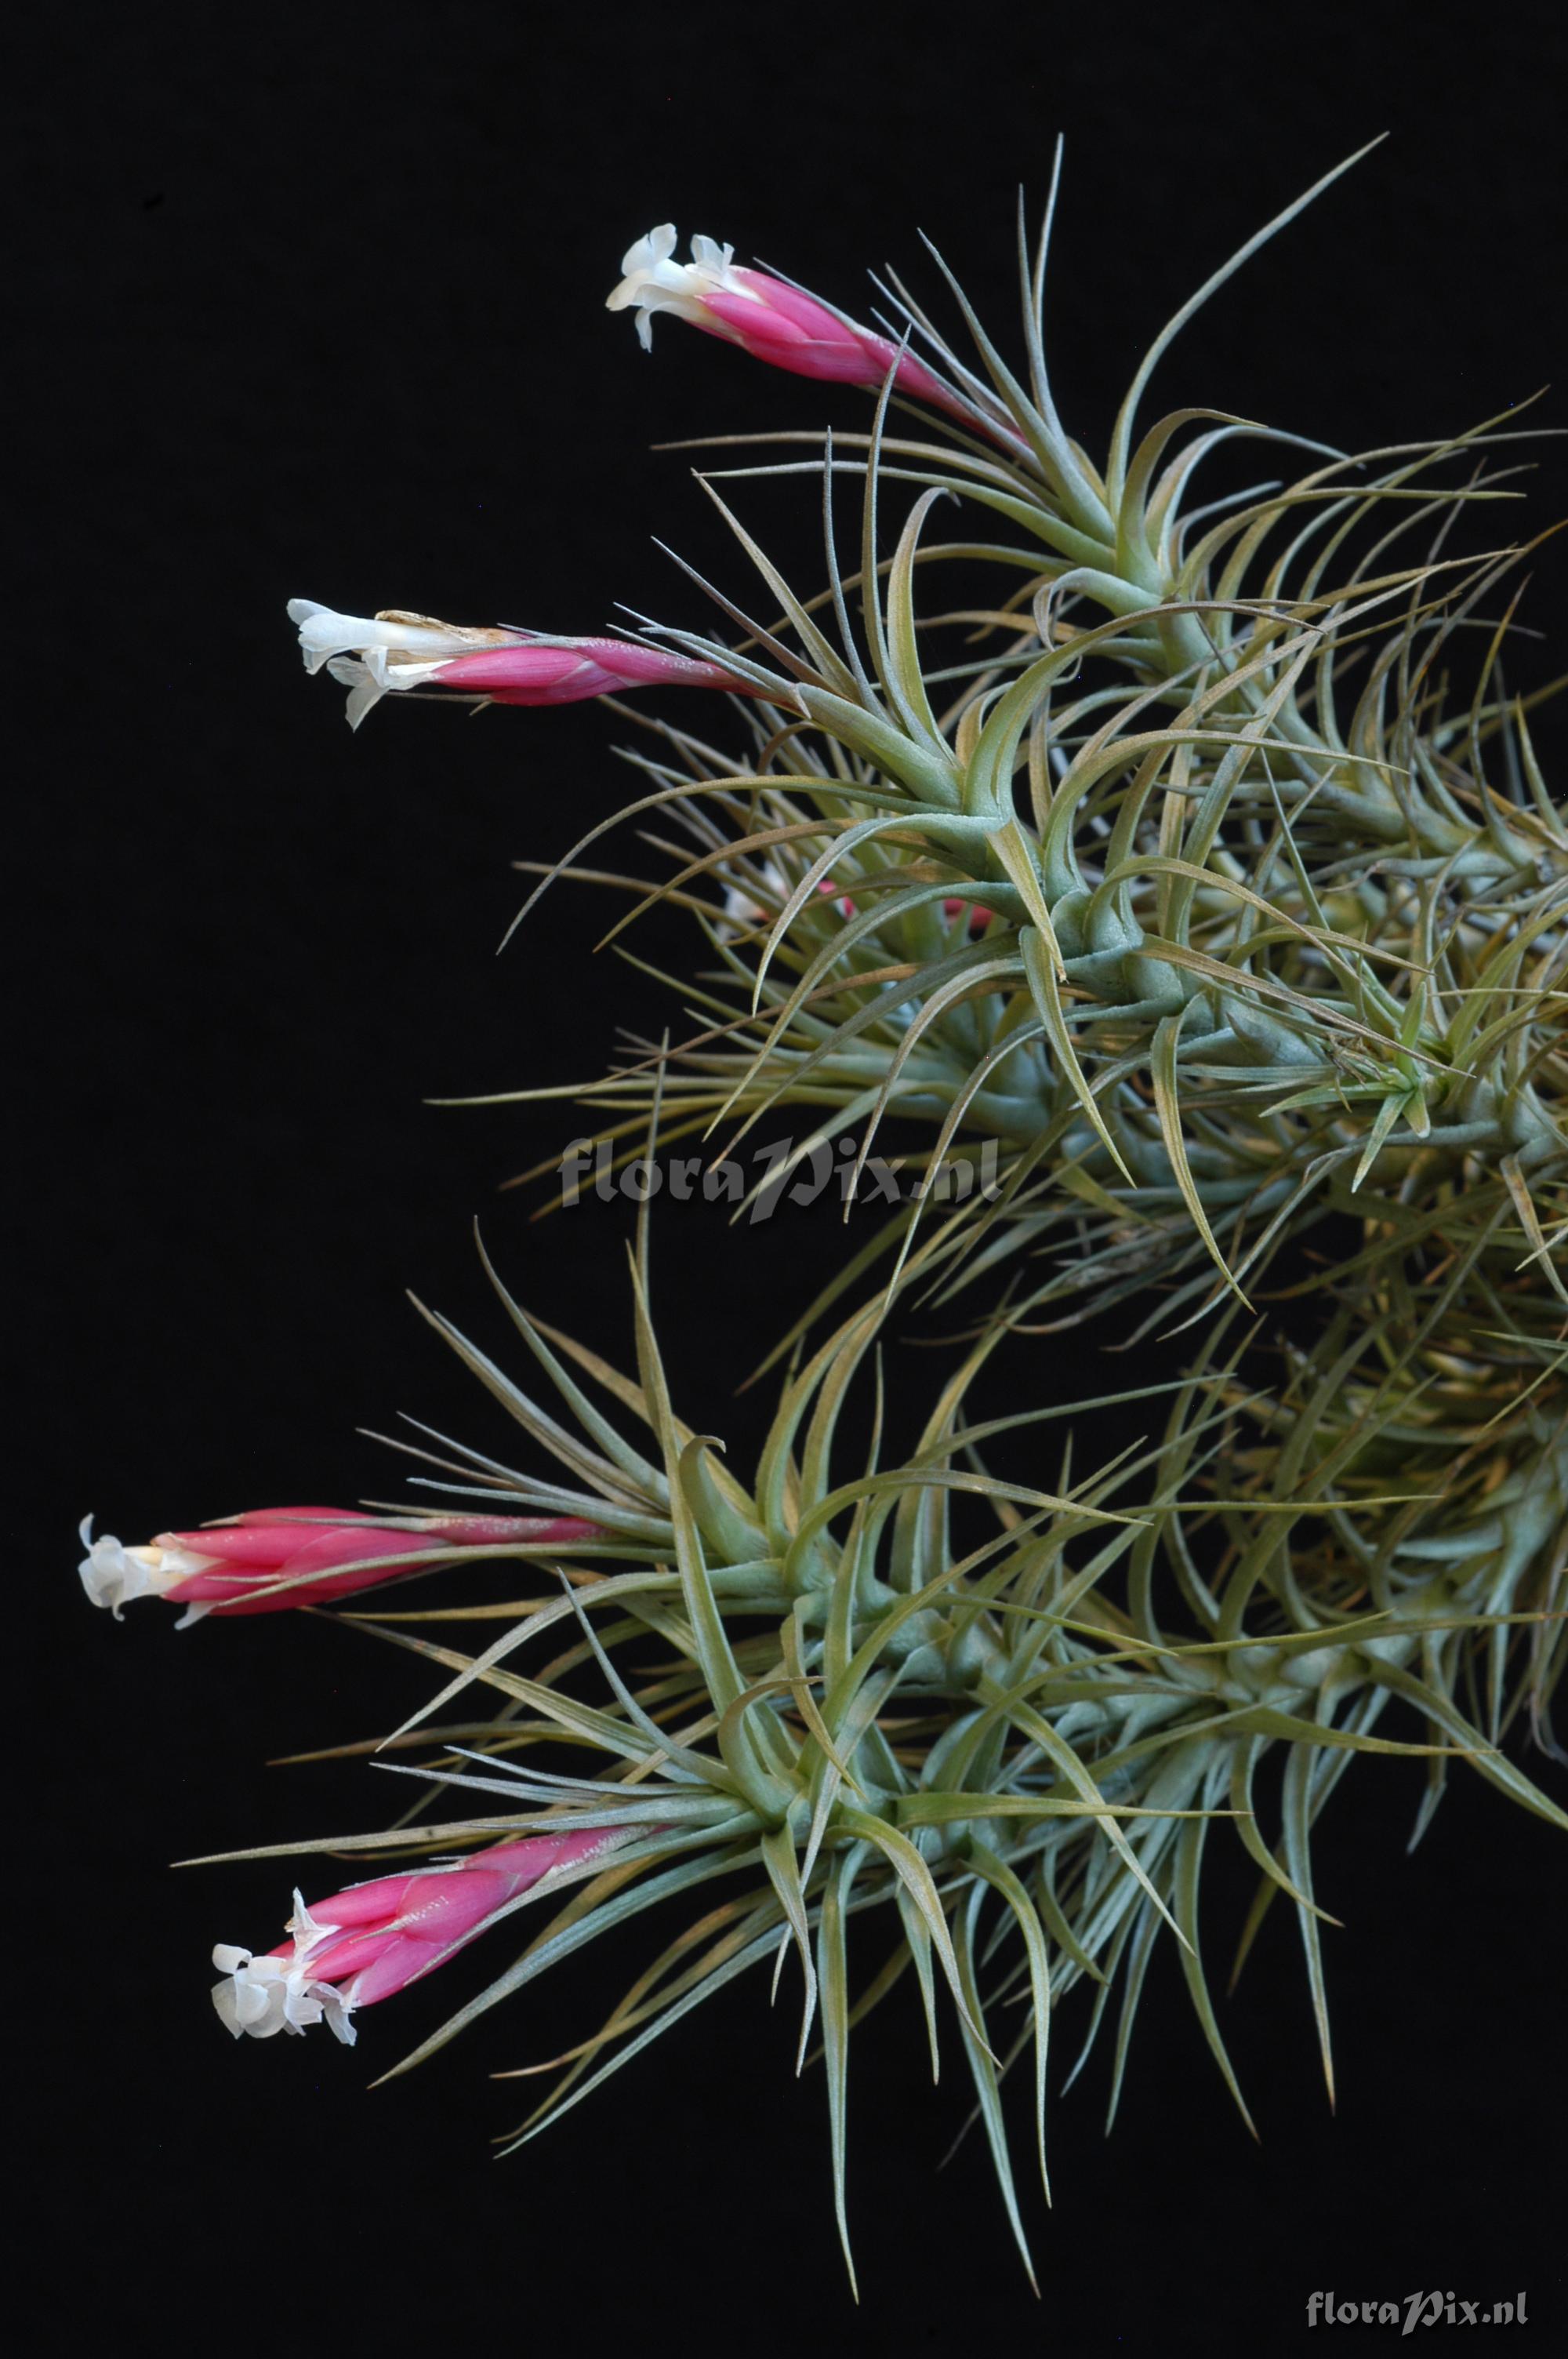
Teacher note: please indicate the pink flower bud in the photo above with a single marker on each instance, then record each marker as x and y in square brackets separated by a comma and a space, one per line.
[770, 320]
[563, 672]
[372, 1939]
[379, 655]
[262, 1563]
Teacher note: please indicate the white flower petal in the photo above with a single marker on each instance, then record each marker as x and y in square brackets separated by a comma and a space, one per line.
[363, 690]
[367, 683]
[249, 1998]
[373, 655]
[262, 1996]
[265, 1995]
[741, 912]
[650, 251]
[324, 633]
[225, 1998]
[655, 282]
[309, 1932]
[257, 2005]
[112, 1574]
[339, 2022]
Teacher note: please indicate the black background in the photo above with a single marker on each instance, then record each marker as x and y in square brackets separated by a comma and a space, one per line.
[312, 306]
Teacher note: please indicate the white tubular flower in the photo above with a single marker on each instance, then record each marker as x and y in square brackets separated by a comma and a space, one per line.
[656, 283]
[400, 637]
[112, 1574]
[265, 1996]
[375, 655]
[741, 912]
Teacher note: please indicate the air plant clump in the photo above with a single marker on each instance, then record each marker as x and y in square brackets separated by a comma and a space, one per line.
[1205, 871]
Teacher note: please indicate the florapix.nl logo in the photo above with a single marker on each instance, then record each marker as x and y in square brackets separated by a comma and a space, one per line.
[781, 1171]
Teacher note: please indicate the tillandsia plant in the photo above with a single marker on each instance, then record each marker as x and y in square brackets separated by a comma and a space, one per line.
[1198, 869]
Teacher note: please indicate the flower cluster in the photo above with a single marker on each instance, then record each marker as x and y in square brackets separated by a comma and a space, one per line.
[389, 652]
[372, 1939]
[278, 1556]
[769, 318]
[1159, 870]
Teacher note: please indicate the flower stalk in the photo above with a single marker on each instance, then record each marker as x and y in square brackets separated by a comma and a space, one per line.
[371, 1941]
[275, 1557]
[393, 652]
